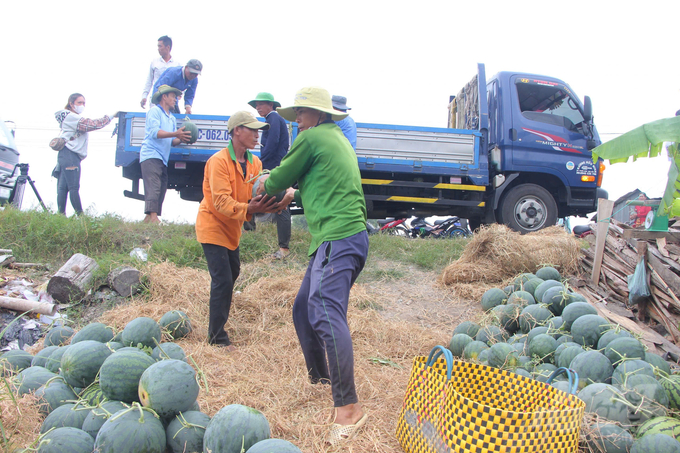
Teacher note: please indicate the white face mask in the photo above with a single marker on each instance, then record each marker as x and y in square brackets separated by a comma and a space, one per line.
[79, 109]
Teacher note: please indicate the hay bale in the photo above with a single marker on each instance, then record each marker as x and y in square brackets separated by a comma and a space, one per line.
[496, 253]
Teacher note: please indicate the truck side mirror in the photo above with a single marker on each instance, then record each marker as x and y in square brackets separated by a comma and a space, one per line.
[587, 109]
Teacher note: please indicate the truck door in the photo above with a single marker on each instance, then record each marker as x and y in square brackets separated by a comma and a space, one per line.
[549, 128]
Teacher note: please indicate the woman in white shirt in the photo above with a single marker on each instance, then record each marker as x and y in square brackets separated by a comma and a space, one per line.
[74, 128]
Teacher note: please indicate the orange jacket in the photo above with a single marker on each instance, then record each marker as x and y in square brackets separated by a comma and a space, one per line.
[225, 198]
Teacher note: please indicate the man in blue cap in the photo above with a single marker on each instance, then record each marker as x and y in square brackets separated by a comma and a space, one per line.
[185, 79]
[347, 126]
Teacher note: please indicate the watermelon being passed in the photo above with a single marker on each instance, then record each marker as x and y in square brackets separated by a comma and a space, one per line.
[191, 127]
[278, 196]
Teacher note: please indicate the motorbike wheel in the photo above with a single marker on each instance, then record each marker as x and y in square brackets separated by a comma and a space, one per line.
[399, 230]
[457, 233]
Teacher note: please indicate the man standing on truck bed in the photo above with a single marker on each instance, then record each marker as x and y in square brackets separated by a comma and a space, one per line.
[158, 66]
[227, 203]
[185, 79]
[273, 146]
[160, 135]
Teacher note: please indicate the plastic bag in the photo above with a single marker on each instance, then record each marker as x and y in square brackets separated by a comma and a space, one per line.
[637, 284]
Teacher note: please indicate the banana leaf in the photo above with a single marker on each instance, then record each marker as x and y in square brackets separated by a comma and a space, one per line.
[644, 141]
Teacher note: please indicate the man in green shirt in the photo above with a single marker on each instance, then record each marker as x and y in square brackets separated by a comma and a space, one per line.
[325, 167]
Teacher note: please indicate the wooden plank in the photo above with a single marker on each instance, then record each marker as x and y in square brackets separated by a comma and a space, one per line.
[669, 277]
[604, 212]
[644, 234]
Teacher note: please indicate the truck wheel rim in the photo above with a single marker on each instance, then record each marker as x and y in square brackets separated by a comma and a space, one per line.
[530, 213]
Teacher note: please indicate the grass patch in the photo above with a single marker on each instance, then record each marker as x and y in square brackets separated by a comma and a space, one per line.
[426, 253]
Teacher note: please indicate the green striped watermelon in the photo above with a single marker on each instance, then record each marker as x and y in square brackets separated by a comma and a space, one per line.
[120, 373]
[274, 446]
[608, 438]
[130, 431]
[656, 443]
[660, 425]
[671, 384]
[66, 439]
[185, 432]
[235, 427]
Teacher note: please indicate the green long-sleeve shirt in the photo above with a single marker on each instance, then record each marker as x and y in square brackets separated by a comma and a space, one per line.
[325, 167]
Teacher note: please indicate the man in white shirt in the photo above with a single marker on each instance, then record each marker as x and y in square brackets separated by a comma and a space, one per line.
[158, 66]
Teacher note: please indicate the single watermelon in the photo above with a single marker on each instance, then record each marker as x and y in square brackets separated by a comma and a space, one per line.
[532, 316]
[574, 311]
[458, 343]
[81, 362]
[555, 299]
[491, 335]
[274, 446]
[548, 273]
[175, 324]
[68, 414]
[647, 396]
[543, 371]
[503, 356]
[235, 428]
[98, 416]
[521, 279]
[655, 443]
[142, 330]
[168, 351]
[606, 401]
[587, 329]
[14, 360]
[130, 431]
[467, 327]
[185, 432]
[58, 335]
[40, 359]
[629, 368]
[661, 367]
[568, 354]
[531, 286]
[521, 298]
[54, 393]
[542, 347]
[660, 425]
[95, 331]
[492, 298]
[611, 335]
[168, 387]
[190, 127]
[591, 367]
[473, 349]
[624, 348]
[32, 378]
[508, 316]
[120, 374]
[608, 438]
[671, 384]
[543, 287]
[72, 440]
[54, 360]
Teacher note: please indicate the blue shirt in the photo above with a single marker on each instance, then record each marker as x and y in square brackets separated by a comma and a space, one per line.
[175, 78]
[274, 141]
[349, 128]
[152, 146]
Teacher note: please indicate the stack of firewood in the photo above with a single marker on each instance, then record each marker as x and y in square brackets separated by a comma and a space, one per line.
[620, 257]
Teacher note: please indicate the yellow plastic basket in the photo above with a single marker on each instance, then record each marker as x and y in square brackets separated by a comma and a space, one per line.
[455, 406]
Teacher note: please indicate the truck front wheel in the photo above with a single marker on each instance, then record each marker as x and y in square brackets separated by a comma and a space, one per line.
[527, 208]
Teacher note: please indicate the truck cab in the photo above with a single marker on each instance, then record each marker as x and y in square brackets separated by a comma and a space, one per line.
[540, 141]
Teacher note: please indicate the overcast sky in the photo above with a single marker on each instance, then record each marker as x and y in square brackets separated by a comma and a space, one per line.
[397, 62]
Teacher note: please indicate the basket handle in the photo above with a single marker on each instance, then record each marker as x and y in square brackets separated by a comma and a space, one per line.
[448, 356]
[571, 374]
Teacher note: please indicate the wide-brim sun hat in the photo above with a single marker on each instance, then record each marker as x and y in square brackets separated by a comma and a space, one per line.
[163, 89]
[340, 103]
[312, 98]
[246, 119]
[264, 97]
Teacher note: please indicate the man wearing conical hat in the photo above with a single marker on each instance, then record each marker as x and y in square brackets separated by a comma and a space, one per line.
[324, 165]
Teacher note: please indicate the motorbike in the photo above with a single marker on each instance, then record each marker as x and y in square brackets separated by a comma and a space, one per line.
[452, 227]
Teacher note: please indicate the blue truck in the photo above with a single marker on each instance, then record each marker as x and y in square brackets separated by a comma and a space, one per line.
[516, 150]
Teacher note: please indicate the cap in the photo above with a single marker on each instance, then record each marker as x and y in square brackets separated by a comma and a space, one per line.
[194, 66]
[246, 119]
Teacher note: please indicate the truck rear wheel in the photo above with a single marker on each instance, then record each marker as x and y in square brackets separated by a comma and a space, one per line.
[527, 208]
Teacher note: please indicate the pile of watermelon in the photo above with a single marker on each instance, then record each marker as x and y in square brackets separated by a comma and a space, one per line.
[127, 392]
[538, 323]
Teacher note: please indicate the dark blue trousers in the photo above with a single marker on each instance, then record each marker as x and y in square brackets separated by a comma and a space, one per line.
[320, 314]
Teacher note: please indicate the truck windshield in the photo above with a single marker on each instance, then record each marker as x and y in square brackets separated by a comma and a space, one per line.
[548, 102]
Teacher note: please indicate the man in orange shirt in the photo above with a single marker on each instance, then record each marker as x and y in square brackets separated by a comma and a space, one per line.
[227, 203]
